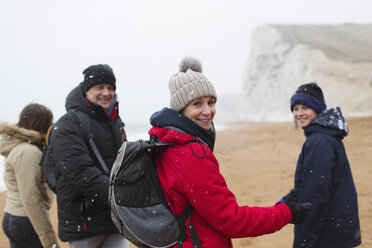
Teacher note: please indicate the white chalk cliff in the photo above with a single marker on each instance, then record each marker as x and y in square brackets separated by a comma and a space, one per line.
[337, 57]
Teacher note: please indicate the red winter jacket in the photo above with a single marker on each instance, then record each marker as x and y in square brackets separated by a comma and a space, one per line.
[189, 173]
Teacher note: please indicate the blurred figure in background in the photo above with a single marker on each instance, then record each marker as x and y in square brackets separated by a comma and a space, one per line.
[26, 216]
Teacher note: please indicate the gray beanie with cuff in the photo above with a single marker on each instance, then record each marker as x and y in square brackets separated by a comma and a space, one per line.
[189, 84]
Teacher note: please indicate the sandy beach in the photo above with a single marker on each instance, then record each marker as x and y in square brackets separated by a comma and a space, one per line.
[258, 161]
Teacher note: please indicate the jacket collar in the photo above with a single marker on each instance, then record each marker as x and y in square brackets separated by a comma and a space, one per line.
[171, 119]
[13, 135]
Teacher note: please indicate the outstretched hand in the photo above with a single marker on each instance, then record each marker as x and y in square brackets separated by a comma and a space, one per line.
[299, 210]
[291, 196]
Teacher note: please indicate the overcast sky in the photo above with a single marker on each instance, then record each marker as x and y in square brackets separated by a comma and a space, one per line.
[45, 45]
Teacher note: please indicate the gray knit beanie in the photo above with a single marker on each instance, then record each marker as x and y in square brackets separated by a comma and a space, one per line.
[189, 84]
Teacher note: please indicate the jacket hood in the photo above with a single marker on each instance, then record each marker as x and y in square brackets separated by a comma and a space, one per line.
[329, 121]
[171, 119]
[75, 100]
[12, 135]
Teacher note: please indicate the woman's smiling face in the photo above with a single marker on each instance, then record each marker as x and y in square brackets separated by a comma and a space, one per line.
[201, 111]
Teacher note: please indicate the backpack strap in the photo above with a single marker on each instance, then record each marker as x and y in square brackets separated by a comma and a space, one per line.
[196, 139]
[181, 220]
[47, 160]
[98, 155]
[86, 126]
[47, 138]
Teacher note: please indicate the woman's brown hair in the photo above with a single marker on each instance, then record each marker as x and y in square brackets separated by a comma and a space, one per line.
[36, 117]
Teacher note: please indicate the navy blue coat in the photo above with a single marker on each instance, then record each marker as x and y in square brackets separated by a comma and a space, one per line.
[323, 177]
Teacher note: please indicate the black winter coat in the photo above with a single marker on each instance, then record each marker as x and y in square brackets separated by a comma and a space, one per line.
[323, 177]
[82, 186]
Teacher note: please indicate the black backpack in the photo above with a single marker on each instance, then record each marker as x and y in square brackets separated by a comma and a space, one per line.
[138, 206]
[47, 160]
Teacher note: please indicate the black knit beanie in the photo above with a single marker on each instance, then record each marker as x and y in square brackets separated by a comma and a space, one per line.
[310, 95]
[98, 74]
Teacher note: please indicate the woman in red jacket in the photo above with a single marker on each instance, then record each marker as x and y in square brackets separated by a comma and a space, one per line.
[189, 172]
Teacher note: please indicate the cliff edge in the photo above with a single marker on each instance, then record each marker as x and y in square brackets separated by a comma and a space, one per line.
[337, 57]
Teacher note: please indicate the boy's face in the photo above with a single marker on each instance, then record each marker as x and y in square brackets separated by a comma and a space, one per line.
[304, 115]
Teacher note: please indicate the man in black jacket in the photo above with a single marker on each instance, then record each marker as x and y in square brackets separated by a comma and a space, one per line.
[82, 185]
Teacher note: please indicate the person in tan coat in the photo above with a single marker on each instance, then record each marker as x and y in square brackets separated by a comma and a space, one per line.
[26, 219]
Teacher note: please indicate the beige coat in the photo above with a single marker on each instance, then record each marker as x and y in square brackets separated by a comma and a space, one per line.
[28, 194]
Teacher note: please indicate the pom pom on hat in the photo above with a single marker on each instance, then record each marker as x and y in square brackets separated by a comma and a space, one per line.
[189, 84]
[190, 63]
[310, 95]
[98, 74]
